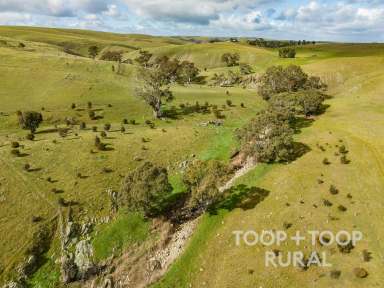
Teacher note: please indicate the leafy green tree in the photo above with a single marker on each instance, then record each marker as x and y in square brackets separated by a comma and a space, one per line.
[278, 79]
[143, 58]
[29, 120]
[203, 179]
[287, 52]
[267, 138]
[187, 72]
[116, 56]
[155, 86]
[146, 189]
[93, 51]
[245, 69]
[231, 59]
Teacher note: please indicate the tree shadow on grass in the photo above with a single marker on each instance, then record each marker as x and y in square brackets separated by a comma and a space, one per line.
[299, 150]
[240, 196]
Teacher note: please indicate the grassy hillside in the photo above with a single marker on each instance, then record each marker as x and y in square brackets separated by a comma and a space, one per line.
[42, 77]
[355, 118]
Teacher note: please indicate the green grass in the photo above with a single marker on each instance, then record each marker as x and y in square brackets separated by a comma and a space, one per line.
[125, 230]
[48, 276]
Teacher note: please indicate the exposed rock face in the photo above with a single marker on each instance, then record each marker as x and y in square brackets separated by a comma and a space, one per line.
[83, 259]
[78, 265]
[14, 284]
[68, 268]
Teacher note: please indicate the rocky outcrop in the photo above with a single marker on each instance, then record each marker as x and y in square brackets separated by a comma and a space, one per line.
[77, 265]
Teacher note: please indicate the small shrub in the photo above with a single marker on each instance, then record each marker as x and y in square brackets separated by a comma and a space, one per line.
[62, 202]
[343, 150]
[103, 134]
[109, 105]
[62, 132]
[107, 126]
[342, 208]
[327, 203]
[89, 104]
[15, 152]
[36, 219]
[344, 160]
[83, 125]
[97, 141]
[218, 114]
[333, 190]
[133, 122]
[49, 179]
[242, 105]
[122, 129]
[229, 103]
[92, 115]
[73, 106]
[125, 121]
[27, 167]
[94, 128]
[326, 161]
[15, 144]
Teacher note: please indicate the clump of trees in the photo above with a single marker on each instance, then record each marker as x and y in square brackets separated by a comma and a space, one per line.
[260, 42]
[268, 138]
[278, 79]
[115, 56]
[202, 179]
[146, 189]
[231, 59]
[287, 52]
[245, 69]
[29, 120]
[157, 76]
[290, 93]
[93, 51]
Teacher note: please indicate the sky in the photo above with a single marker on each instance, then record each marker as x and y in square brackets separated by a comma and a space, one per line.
[344, 20]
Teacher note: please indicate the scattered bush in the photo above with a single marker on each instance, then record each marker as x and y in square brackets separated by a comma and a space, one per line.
[103, 134]
[132, 122]
[27, 167]
[231, 59]
[326, 161]
[15, 144]
[245, 69]
[92, 115]
[125, 121]
[333, 190]
[242, 105]
[107, 126]
[344, 160]
[62, 202]
[287, 52]
[73, 106]
[62, 132]
[343, 150]
[15, 152]
[229, 103]
[29, 120]
[116, 56]
[146, 189]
